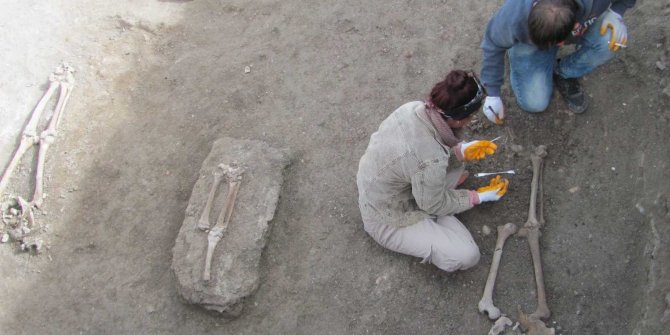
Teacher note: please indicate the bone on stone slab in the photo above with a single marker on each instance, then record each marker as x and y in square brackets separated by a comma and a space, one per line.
[203, 222]
[234, 176]
[235, 261]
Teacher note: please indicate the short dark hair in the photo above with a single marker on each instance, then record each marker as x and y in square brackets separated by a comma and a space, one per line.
[551, 21]
[457, 89]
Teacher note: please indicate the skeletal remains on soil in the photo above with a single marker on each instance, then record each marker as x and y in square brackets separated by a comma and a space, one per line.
[233, 175]
[63, 80]
[500, 325]
[486, 303]
[531, 230]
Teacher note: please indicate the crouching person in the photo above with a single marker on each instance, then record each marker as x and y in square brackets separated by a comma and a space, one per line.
[408, 176]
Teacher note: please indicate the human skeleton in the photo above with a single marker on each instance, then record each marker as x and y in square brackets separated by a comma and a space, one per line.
[531, 230]
[61, 79]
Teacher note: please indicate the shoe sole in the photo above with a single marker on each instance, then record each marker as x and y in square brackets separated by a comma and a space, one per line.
[577, 109]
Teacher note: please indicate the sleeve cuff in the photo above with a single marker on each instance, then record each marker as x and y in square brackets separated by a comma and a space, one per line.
[474, 198]
[619, 8]
[492, 91]
[457, 151]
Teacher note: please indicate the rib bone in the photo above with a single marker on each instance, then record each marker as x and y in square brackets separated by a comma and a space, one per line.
[49, 134]
[234, 177]
[486, 303]
[203, 222]
[29, 136]
[531, 230]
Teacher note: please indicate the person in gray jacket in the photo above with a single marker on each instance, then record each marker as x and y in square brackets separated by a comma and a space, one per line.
[531, 33]
[408, 176]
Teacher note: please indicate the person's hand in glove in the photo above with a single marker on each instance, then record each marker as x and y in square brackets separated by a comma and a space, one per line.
[476, 150]
[494, 190]
[494, 109]
[613, 21]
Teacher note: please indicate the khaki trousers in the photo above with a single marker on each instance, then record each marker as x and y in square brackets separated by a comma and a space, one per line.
[444, 242]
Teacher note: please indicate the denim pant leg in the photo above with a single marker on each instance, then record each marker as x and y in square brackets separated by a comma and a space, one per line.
[592, 51]
[531, 71]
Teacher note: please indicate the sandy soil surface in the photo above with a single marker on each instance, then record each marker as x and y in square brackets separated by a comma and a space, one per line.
[159, 81]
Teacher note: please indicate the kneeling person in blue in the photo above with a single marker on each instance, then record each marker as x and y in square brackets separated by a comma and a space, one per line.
[531, 33]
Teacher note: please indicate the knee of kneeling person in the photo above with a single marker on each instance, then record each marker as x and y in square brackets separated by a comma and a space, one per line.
[601, 52]
[470, 257]
[466, 257]
[534, 105]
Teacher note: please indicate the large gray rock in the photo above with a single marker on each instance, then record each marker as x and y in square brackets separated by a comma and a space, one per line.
[235, 263]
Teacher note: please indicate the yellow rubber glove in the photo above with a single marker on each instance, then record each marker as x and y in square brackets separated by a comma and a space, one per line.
[496, 188]
[613, 21]
[477, 150]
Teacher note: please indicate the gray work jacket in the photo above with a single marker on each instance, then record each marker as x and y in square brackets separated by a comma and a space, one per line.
[407, 173]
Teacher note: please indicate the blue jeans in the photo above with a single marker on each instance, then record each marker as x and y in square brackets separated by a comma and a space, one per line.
[532, 69]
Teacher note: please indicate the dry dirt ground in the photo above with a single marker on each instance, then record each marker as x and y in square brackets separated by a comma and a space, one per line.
[159, 81]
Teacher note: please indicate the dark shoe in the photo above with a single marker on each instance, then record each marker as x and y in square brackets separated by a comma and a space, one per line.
[572, 93]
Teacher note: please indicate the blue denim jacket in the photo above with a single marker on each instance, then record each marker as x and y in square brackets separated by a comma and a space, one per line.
[407, 174]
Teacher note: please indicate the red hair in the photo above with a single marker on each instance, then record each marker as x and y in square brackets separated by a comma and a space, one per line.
[457, 89]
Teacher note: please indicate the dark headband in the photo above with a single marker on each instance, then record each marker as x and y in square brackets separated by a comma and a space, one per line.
[462, 112]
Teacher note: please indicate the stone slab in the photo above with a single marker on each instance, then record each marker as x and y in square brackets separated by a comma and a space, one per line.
[235, 263]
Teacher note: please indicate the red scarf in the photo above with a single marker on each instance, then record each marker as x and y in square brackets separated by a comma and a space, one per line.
[448, 135]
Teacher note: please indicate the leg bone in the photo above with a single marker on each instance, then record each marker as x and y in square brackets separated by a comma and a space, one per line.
[49, 134]
[486, 303]
[26, 212]
[234, 176]
[29, 136]
[542, 311]
[203, 222]
[531, 231]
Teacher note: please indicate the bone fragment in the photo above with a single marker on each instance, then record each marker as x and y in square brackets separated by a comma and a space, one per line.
[34, 244]
[486, 303]
[234, 176]
[532, 325]
[49, 134]
[531, 230]
[500, 325]
[203, 222]
[18, 233]
[29, 136]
